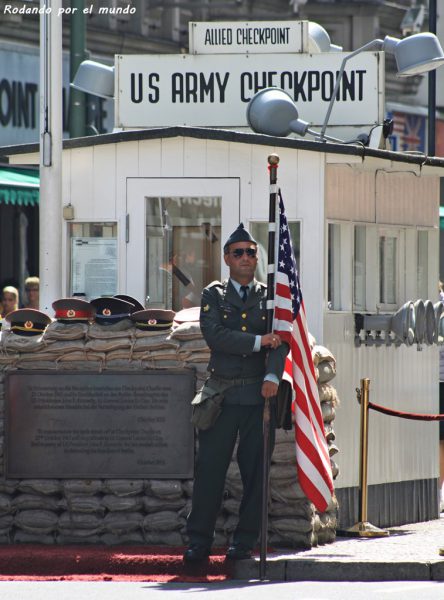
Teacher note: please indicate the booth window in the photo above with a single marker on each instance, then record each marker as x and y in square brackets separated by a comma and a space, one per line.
[423, 264]
[183, 250]
[359, 267]
[259, 230]
[388, 268]
[334, 267]
[93, 260]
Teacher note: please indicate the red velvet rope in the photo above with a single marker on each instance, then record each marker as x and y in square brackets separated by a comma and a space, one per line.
[404, 415]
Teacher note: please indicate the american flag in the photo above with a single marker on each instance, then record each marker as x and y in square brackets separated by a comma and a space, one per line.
[312, 458]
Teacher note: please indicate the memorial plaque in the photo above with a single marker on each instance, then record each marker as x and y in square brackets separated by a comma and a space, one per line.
[123, 425]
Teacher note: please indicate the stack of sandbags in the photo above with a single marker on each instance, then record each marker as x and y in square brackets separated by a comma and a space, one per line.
[25, 352]
[325, 365]
[156, 350]
[193, 348]
[113, 511]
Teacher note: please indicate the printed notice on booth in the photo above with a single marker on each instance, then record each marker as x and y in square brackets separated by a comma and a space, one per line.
[94, 266]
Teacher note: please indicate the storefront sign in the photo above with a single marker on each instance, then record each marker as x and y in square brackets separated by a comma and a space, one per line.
[125, 425]
[19, 96]
[253, 37]
[214, 91]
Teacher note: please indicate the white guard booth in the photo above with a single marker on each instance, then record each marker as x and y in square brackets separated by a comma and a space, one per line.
[365, 229]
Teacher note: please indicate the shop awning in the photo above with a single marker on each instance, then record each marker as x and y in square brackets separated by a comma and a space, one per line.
[19, 186]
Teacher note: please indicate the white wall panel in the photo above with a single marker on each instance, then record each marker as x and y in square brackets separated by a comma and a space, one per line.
[150, 158]
[260, 185]
[217, 158]
[400, 378]
[405, 198]
[66, 199]
[81, 181]
[104, 182]
[127, 165]
[349, 193]
[194, 157]
[172, 164]
[239, 165]
[310, 195]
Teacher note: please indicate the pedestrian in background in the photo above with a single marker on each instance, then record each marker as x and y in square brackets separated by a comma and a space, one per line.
[32, 289]
[10, 299]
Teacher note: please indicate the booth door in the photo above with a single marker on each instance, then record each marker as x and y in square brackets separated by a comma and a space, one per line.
[175, 232]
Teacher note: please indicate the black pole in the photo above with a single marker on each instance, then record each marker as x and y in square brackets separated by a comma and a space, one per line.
[77, 104]
[431, 123]
[273, 161]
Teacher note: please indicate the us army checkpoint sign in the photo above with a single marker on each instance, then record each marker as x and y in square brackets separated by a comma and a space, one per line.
[214, 90]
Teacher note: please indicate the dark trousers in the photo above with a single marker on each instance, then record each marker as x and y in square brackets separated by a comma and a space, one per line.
[215, 451]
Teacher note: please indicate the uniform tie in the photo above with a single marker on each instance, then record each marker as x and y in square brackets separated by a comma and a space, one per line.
[244, 292]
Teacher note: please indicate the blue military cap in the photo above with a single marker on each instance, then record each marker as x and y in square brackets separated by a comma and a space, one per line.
[131, 300]
[240, 234]
[28, 321]
[111, 310]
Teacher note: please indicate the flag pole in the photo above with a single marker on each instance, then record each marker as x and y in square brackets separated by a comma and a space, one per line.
[273, 161]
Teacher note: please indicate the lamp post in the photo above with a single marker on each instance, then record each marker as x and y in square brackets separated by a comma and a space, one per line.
[431, 122]
[77, 100]
[50, 210]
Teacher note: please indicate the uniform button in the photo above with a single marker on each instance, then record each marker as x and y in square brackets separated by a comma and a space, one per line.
[243, 328]
[244, 315]
[244, 356]
[225, 317]
[263, 318]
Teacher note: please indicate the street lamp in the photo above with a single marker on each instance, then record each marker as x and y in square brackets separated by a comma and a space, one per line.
[95, 78]
[272, 111]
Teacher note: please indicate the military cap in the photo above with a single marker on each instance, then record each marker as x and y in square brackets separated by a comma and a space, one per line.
[153, 319]
[73, 310]
[131, 300]
[111, 310]
[187, 314]
[239, 235]
[28, 321]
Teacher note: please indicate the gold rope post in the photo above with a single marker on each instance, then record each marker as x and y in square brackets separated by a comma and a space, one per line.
[363, 528]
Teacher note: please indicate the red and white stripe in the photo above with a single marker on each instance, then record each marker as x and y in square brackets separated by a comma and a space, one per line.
[312, 457]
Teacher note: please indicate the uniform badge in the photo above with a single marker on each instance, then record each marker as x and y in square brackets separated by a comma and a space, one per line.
[106, 312]
[29, 325]
[70, 313]
[206, 308]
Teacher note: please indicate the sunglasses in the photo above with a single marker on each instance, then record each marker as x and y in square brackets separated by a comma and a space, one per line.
[239, 252]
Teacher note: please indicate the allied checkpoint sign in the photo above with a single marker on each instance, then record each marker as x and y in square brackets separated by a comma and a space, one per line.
[237, 37]
[214, 90]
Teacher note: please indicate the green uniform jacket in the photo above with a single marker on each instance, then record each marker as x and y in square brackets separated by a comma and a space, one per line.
[229, 327]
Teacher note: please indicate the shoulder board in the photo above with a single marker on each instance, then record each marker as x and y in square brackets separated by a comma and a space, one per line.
[215, 284]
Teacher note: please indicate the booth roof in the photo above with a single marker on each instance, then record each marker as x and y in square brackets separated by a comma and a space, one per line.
[19, 186]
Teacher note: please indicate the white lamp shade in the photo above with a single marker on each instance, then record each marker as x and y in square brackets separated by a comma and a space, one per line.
[271, 111]
[417, 54]
[95, 78]
[319, 40]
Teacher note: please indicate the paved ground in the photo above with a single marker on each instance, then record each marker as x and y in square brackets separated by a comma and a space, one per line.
[411, 552]
[227, 590]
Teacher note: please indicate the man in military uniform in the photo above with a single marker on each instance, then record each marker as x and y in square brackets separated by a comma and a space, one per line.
[249, 362]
